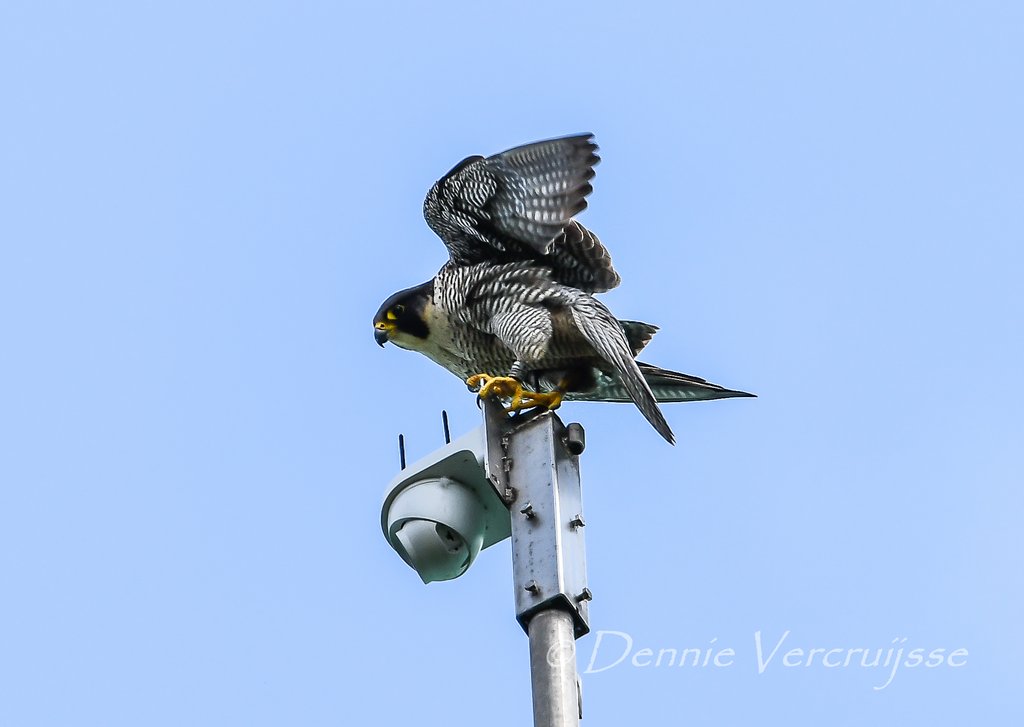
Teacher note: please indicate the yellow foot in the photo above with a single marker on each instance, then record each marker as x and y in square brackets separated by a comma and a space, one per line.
[502, 386]
[508, 388]
[530, 399]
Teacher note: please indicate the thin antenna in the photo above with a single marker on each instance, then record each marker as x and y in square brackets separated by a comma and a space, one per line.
[401, 449]
[444, 423]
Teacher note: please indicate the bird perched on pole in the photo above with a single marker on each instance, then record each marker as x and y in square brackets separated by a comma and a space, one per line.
[513, 311]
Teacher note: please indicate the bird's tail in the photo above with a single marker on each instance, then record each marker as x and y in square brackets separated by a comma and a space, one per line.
[667, 386]
[671, 386]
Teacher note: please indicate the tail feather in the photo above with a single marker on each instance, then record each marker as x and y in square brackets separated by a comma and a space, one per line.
[667, 387]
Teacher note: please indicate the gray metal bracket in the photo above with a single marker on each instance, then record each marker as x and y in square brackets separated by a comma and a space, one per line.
[538, 469]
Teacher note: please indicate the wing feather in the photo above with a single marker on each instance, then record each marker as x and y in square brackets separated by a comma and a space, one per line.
[605, 334]
[519, 205]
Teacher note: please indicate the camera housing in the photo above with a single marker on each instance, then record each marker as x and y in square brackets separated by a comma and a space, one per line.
[440, 512]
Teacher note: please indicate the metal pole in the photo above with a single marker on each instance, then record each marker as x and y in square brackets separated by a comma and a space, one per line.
[536, 463]
[515, 476]
[553, 669]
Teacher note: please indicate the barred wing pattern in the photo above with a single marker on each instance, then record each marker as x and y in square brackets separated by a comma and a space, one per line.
[605, 334]
[579, 260]
[518, 206]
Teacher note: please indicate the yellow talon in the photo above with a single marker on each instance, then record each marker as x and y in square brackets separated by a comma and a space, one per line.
[530, 399]
[503, 386]
[508, 388]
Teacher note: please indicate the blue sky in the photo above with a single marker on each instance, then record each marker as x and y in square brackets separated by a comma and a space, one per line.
[203, 205]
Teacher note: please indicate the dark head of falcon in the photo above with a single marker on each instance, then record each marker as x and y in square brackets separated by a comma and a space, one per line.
[401, 318]
[513, 311]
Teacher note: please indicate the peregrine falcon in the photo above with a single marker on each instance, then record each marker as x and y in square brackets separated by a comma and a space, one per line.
[513, 311]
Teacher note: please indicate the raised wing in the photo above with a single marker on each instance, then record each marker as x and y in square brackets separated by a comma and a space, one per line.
[518, 205]
[579, 260]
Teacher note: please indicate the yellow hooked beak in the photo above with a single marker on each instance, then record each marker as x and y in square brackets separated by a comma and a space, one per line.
[382, 332]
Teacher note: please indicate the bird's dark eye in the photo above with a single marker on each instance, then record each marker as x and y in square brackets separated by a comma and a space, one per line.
[399, 309]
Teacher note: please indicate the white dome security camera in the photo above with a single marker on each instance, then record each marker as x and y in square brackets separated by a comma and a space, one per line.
[442, 511]
[437, 526]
